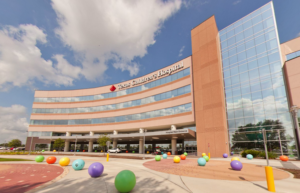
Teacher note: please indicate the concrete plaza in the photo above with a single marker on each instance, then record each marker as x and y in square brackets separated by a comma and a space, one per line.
[148, 180]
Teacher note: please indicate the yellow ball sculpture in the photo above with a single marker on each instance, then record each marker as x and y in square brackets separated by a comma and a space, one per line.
[176, 159]
[235, 158]
[54, 150]
[64, 161]
[203, 154]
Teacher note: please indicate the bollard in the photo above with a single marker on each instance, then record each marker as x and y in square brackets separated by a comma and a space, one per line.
[270, 178]
[107, 157]
[209, 155]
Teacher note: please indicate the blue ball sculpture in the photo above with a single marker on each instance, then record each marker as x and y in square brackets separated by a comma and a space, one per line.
[225, 155]
[96, 169]
[249, 156]
[77, 150]
[236, 165]
[78, 164]
[231, 153]
[201, 162]
[165, 156]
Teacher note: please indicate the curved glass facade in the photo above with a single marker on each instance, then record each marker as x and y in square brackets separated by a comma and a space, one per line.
[254, 85]
[151, 99]
[132, 117]
[143, 87]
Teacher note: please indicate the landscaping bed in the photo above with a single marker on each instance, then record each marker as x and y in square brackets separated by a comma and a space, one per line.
[293, 171]
[13, 159]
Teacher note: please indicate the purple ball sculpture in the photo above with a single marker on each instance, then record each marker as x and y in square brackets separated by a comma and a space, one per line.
[96, 169]
[225, 155]
[236, 165]
[231, 153]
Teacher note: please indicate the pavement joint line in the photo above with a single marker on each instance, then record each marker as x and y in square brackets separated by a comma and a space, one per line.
[8, 180]
[144, 168]
[64, 173]
[21, 181]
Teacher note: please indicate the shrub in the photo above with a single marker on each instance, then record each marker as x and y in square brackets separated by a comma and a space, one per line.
[271, 155]
[255, 153]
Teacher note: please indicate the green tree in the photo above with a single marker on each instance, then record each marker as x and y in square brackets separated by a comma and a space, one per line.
[15, 143]
[102, 141]
[59, 143]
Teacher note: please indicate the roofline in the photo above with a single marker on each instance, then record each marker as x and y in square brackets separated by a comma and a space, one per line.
[290, 40]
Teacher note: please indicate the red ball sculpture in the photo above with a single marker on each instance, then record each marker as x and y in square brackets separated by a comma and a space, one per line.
[169, 153]
[51, 160]
[126, 151]
[182, 157]
[284, 158]
[83, 151]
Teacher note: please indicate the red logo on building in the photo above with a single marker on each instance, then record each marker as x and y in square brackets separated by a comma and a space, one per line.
[112, 88]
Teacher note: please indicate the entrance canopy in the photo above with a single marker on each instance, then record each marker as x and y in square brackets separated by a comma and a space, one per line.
[156, 136]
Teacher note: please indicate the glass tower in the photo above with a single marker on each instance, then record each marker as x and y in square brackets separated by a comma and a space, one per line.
[255, 92]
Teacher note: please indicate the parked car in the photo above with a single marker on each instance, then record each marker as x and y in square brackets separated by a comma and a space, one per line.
[12, 148]
[3, 148]
[19, 148]
[114, 150]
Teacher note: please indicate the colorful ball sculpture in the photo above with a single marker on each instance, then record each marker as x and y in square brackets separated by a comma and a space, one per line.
[249, 156]
[133, 151]
[206, 158]
[78, 164]
[64, 161]
[125, 181]
[161, 153]
[54, 150]
[83, 151]
[203, 154]
[235, 158]
[169, 153]
[236, 165]
[182, 157]
[39, 158]
[96, 169]
[95, 150]
[126, 151]
[71, 150]
[225, 155]
[77, 150]
[43, 150]
[51, 160]
[201, 162]
[284, 158]
[185, 153]
[231, 153]
[176, 159]
[165, 156]
[157, 158]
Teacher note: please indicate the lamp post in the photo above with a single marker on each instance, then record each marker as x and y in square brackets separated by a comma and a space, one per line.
[294, 112]
[145, 130]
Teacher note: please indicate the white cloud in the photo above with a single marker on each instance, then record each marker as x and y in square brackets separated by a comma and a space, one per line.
[13, 123]
[236, 2]
[21, 62]
[180, 51]
[102, 31]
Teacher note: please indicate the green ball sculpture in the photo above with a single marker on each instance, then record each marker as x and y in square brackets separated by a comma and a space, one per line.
[206, 158]
[43, 150]
[125, 181]
[39, 158]
[185, 154]
[157, 158]
[133, 151]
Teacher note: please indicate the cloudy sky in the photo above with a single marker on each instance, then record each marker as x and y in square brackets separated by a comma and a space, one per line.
[73, 44]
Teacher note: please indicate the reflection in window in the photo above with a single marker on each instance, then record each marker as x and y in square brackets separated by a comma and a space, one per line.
[151, 99]
[152, 84]
[139, 116]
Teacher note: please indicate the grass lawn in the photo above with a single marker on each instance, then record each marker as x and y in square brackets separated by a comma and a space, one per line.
[13, 159]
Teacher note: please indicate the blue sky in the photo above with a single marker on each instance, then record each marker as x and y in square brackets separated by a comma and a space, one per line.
[55, 45]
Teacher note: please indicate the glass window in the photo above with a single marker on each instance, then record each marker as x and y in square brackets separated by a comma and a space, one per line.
[267, 14]
[255, 86]
[256, 19]
[233, 60]
[234, 71]
[253, 74]
[232, 52]
[264, 71]
[248, 32]
[268, 23]
[274, 57]
[252, 64]
[241, 56]
[239, 37]
[262, 61]
[230, 33]
[257, 28]
[231, 41]
[244, 77]
[226, 73]
[251, 52]
[279, 92]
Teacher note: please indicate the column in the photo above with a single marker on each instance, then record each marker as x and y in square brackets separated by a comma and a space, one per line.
[68, 133]
[173, 143]
[173, 127]
[141, 145]
[115, 142]
[67, 144]
[91, 145]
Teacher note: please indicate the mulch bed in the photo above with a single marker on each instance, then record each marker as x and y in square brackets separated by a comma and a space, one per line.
[111, 156]
[293, 171]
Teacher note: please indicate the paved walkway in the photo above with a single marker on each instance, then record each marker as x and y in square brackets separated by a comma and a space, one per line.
[149, 180]
[16, 178]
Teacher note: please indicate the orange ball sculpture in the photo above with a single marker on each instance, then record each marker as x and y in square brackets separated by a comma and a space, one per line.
[284, 158]
[83, 151]
[51, 160]
[169, 153]
[182, 157]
